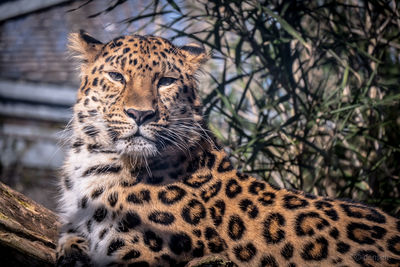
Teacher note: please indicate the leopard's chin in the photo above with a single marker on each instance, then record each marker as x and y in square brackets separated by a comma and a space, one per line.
[136, 147]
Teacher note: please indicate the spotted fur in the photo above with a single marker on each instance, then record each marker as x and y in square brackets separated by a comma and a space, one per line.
[145, 184]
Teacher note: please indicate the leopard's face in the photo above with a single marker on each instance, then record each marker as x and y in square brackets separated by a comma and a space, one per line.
[138, 94]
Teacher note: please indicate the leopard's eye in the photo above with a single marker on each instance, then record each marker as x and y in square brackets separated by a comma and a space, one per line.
[165, 81]
[116, 76]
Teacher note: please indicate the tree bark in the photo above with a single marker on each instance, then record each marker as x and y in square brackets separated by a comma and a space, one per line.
[28, 233]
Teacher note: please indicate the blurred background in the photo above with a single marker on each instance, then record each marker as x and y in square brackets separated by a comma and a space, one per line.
[304, 94]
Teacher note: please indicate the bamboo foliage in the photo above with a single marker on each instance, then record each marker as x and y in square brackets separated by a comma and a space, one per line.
[304, 94]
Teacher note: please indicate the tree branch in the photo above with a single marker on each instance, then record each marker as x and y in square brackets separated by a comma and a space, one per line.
[28, 231]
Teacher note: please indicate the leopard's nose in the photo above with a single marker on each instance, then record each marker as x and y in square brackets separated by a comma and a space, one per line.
[141, 116]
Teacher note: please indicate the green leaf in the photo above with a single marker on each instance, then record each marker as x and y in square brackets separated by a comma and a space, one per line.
[174, 5]
[286, 26]
[238, 53]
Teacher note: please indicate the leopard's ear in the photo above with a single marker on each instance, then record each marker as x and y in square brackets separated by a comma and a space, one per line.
[195, 53]
[83, 47]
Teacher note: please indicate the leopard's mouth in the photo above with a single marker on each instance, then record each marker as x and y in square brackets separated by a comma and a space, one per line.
[137, 145]
[139, 140]
[137, 137]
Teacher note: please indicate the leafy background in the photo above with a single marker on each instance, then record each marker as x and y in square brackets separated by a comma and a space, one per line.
[304, 94]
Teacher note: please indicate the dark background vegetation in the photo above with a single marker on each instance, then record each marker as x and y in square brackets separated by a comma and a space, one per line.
[304, 94]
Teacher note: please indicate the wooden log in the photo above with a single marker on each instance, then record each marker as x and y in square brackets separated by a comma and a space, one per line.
[28, 233]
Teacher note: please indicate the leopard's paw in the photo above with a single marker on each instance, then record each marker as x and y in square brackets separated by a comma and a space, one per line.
[73, 252]
[212, 260]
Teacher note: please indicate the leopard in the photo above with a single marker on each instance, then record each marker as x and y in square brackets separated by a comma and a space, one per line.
[146, 183]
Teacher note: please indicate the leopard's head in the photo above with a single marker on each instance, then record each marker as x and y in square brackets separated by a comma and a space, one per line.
[138, 94]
